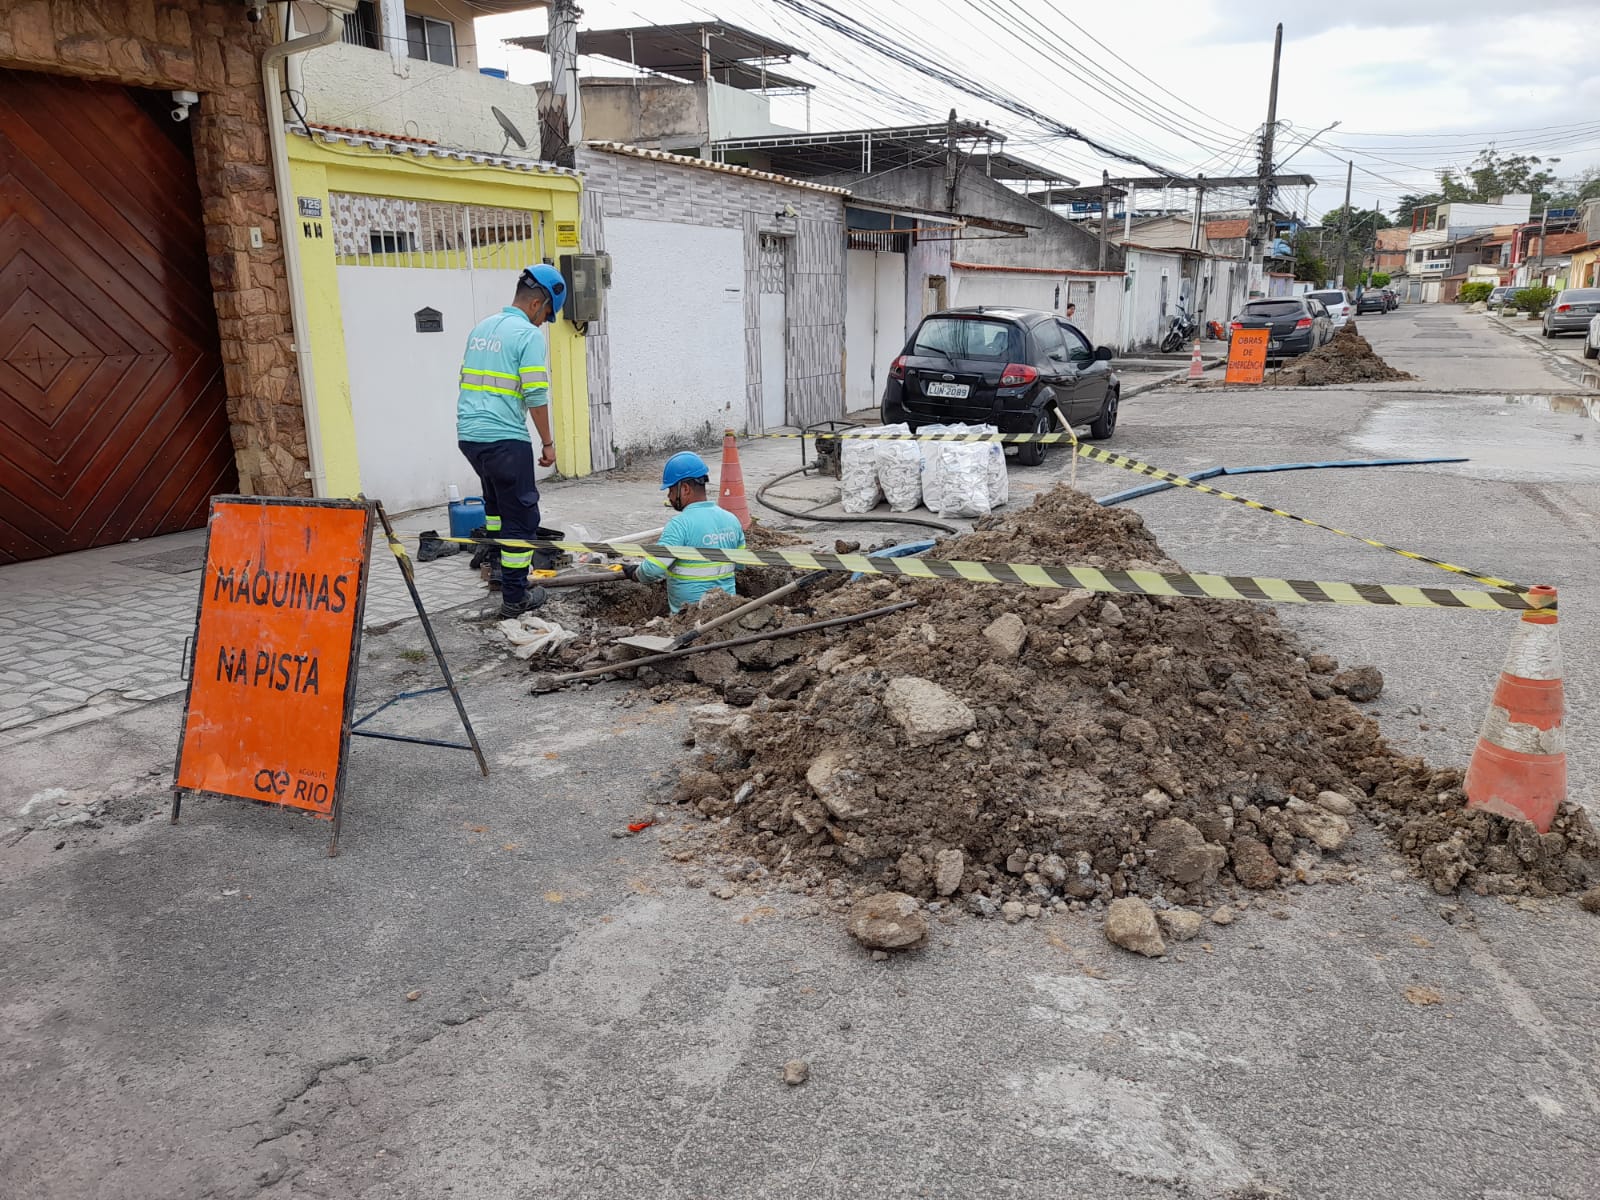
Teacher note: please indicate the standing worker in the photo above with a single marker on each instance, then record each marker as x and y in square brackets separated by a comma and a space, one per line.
[699, 523]
[505, 377]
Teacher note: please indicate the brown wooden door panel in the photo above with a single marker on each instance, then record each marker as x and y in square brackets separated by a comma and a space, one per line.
[137, 238]
[113, 416]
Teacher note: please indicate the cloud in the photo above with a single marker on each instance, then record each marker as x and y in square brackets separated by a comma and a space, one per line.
[1253, 20]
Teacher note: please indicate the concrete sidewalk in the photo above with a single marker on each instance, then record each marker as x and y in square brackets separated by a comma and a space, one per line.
[87, 635]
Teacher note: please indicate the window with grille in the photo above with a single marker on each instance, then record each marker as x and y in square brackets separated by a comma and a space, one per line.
[387, 231]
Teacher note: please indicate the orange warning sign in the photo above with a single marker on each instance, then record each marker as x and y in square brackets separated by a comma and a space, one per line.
[271, 680]
[1247, 356]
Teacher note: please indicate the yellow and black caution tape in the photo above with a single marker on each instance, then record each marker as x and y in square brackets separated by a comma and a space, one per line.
[1137, 583]
[1154, 472]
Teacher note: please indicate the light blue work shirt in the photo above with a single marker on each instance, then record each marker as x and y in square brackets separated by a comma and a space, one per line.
[504, 372]
[700, 524]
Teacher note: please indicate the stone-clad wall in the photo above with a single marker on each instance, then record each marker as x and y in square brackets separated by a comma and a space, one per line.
[206, 46]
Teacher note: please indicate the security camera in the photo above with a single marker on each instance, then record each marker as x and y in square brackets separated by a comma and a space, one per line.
[182, 101]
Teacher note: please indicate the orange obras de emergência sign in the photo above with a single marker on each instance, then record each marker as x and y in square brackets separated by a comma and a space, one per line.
[1247, 356]
[277, 629]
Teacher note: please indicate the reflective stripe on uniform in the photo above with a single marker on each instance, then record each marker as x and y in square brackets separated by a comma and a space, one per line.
[491, 522]
[514, 559]
[698, 571]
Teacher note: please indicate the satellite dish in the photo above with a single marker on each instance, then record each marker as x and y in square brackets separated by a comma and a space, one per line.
[513, 134]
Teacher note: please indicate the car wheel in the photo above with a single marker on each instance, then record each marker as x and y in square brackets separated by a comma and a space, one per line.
[1031, 454]
[1105, 424]
[1545, 329]
[1590, 350]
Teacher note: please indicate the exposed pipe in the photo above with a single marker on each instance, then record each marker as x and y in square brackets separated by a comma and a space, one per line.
[1150, 489]
[271, 59]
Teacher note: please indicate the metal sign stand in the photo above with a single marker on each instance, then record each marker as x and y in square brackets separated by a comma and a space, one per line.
[350, 725]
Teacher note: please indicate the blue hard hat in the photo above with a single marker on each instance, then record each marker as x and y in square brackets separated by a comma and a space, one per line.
[684, 465]
[547, 277]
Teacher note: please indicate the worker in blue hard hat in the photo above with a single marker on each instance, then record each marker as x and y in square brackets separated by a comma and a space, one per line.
[699, 523]
[505, 378]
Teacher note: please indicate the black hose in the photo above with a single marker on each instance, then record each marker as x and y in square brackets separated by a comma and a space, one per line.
[761, 498]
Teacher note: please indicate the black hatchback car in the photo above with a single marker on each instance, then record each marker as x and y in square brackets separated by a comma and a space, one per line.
[1297, 324]
[1008, 367]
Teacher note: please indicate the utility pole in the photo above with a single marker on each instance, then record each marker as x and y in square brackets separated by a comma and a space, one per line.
[950, 166]
[559, 142]
[1544, 227]
[1264, 183]
[1105, 215]
[1199, 211]
[1344, 221]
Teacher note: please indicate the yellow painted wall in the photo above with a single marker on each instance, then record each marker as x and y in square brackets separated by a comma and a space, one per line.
[1582, 271]
[316, 169]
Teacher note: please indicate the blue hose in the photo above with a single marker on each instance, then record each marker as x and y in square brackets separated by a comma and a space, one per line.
[1150, 489]
[903, 550]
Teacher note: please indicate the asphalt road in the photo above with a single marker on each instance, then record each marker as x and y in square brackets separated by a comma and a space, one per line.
[216, 1009]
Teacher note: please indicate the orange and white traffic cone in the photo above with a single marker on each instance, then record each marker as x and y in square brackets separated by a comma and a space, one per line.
[1197, 369]
[1519, 768]
[731, 496]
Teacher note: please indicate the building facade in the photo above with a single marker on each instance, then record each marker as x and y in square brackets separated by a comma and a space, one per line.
[727, 307]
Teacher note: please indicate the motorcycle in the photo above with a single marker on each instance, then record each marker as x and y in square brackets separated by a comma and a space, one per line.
[1181, 328]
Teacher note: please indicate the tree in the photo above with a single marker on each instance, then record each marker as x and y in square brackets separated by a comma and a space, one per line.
[1309, 265]
[1381, 279]
[1585, 186]
[1359, 237]
[1490, 174]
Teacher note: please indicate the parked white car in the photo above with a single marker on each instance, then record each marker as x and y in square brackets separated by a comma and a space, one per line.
[1591, 344]
[1338, 303]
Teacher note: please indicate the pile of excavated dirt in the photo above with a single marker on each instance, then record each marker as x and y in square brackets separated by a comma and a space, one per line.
[996, 746]
[1347, 358]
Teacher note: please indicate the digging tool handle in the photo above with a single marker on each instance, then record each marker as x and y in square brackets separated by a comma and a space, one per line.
[764, 636]
[750, 606]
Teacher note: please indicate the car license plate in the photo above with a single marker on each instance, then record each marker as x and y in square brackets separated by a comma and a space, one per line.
[948, 391]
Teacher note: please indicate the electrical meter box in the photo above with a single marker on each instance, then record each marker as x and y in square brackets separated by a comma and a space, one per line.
[587, 276]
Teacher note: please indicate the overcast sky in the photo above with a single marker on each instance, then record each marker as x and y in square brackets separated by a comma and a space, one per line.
[1415, 87]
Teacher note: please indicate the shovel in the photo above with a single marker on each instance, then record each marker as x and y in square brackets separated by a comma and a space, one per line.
[665, 645]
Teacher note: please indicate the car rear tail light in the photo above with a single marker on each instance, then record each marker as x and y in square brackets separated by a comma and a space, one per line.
[1303, 323]
[897, 369]
[1017, 375]
[1563, 308]
[1345, 311]
[1237, 325]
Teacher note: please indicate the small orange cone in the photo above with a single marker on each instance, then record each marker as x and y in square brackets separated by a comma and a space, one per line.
[1519, 768]
[1197, 369]
[731, 496]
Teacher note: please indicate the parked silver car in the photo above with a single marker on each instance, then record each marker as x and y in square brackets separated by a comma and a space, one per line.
[1591, 343]
[1500, 297]
[1571, 311]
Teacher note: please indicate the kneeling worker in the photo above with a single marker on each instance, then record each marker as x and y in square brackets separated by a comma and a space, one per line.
[699, 523]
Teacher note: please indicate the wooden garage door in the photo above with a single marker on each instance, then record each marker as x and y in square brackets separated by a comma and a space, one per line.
[112, 414]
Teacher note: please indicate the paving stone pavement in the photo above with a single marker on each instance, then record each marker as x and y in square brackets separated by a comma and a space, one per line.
[86, 635]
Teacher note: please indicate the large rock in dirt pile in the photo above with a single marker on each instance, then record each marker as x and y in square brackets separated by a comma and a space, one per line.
[1327, 829]
[888, 921]
[927, 712]
[1361, 684]
[1007, 634]
[948, 867]
[847, 793]
[1131, 924]
[1253, 863]
[1179, 852]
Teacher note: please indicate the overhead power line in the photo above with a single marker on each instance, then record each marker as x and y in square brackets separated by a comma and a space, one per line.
[829, 17]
